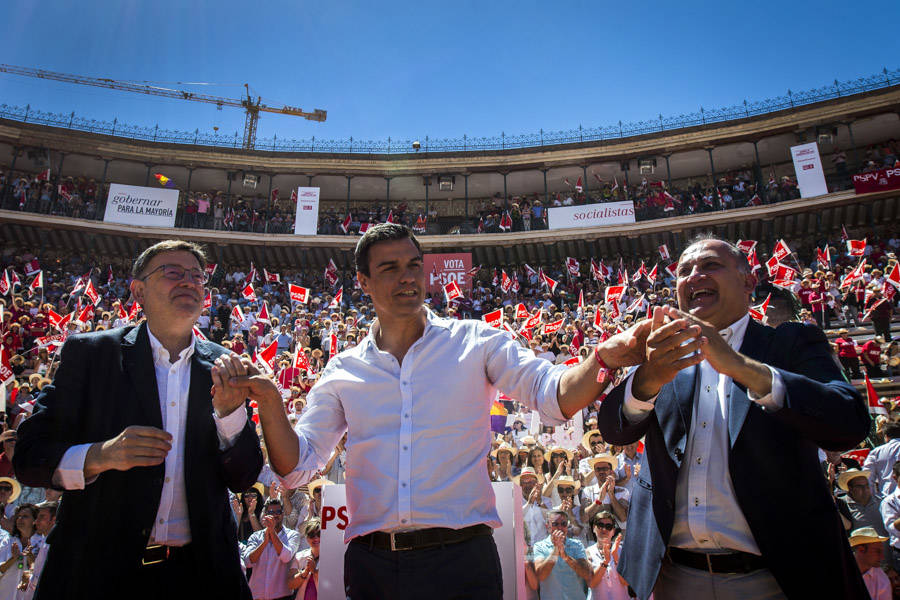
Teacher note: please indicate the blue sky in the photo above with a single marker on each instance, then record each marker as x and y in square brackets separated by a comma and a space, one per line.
[411, 69]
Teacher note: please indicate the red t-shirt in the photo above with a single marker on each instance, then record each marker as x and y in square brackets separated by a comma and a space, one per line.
[871, 350]
[804, 294]
[846, 348]
[816, 301]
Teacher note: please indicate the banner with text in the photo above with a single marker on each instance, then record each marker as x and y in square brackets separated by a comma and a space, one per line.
[441, 269]
[877, 181]
[307, 220]
[136, 205]
[808, 167]
[591, 215]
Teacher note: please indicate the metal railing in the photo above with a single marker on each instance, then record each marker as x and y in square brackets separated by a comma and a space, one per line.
[621, 130]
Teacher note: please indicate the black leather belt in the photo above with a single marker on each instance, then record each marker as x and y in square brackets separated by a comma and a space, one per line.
[155, 554]
[421, 538]
[732, 562]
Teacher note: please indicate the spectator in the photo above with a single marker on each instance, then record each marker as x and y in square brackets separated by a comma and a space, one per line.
[847, 354]
[604, 494]
[881, 460]
[248, 511]
[534, 511]
[304, 571]
[868, 549]
[871, 357]
[560, 562]
[860, 505]
[605, 582]
[270, 552]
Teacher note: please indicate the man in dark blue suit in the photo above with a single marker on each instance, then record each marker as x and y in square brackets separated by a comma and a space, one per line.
[145, 454]
[730, 501]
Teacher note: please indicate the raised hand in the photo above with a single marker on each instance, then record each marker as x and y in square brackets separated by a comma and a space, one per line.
[627, 348]
[670, 347]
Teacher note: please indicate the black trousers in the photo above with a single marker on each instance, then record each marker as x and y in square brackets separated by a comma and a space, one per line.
[469, 569]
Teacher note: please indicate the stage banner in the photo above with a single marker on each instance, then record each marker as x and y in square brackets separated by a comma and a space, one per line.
[136, 205]
[509, 538]
[591, 215]
[877, 181]
[808, 167]
[441, 269]
[307, 219]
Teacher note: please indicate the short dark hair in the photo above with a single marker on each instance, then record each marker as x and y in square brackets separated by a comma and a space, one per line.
[736, 253]
[558, 513]
[383, 232]
[49, 505]
[167, 246]
[273, 501]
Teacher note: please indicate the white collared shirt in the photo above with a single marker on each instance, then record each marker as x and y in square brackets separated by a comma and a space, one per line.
[173, 380]
[418, 433]
[707, 515]
[270, 571]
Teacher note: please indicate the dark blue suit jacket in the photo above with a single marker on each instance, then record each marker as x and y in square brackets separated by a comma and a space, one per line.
[105, 382]
[773, 462]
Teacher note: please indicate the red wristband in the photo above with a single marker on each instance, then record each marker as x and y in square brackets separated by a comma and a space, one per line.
[605, 373]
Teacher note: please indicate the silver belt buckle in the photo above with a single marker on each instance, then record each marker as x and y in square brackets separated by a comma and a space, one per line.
[394, 546]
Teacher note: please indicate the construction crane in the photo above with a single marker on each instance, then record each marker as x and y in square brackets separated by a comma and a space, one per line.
[251, 107]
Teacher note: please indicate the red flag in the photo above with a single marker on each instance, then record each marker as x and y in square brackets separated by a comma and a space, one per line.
[390, 217]
[874, 403]
[298, 293]
[86, 314]
[580, 300]
[781, 250]
[521, 311]
[515, 283]
[43, 175]
[207, 300]
[651, 276]
[133, 313]
[785, 284]
[110, 278]
[364, 227]
[673, 270]
[754, 262]
[248, 293]
[5, 284]
[294, 196]
[15, 280]
[421, 224]
[6, 372]
[854, 274]
[856, 247]
[198, 333]
[251, 275]
[783, 272]
[345, 224]
[37, 283]
[572, 266]
[275, 195]
[91, 293]
[532, 321]
[473, 271]
[578, 185]
[614, 293]
[893, 277]
[301, 361]
[32, 267]
[505, 282]
[636, 304]
[664, 252]
[551, 328]
[598, 320]
[772, 265]
[331, 272]
[332, 347]
[505, 222]
[746, 246]
[337, 300]
[758, 312]
[494, 318]
[452, 291]
[54, 318]
[266, 358]
[263, 314]
[272, 277]
[210, 269]
[550, 283]
[844, 235]
[237, 314]
[824, 258]
[120, 312]
[529, 271]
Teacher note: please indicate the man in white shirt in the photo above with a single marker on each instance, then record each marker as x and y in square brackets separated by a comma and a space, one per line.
[269, 552]
[881, 460]
[868, 549]
[44, 523]
[414, 397]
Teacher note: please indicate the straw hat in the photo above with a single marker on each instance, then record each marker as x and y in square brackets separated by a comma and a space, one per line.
[504, 447]
[586, 438]
[605, 458]
[567, 480]
[865, 535]
[529, 441]
[845, 477]
[550, 451]
[16, 488]
[259, 487]
[317, 483]
[526, 471]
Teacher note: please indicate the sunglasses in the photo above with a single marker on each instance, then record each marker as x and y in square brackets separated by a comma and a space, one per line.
[566, 491]
[6, 488]
[606, 526]
[274, 512]
[559, 524]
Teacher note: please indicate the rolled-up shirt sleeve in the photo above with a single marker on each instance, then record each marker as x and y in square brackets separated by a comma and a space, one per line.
[319, 429]
[69, 474]
[519, 374]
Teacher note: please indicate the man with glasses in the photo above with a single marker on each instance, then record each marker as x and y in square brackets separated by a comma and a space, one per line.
[146, 454]
[269, 553]
[861, 505]
[560, 562]
[605, 494]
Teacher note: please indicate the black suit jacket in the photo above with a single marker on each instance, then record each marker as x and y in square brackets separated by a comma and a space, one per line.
[106, 382]
[773, 462]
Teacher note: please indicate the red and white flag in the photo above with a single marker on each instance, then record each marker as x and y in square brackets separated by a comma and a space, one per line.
[753, 261]
[198, 334]
[332, 346]
[249, 294]
[32, 267]
[664, 252]
[301, 361]
[496, 280]
[529, 271]
[421, 224]
[875, 405]
[364, 227]
[772, 265]
[271, 277]
[580, 301]
[521, 311]
[251, 275]
[785, 284]
[505, 282]
[14, 280]
[844, 235]
[579, 187]
[573, 266]
[651, 276]
[345, 224]
[5, 284]
[210, 269]
[390, 217]
[532, 321]
[551, 328]
[37, 283]
[263, 314]
[550, 283]
[91, 293]
[294, 196]
[598, 319]
[515, 283]
[758, 312]
[86, 314]
[452, 291]
[110, 278]
[855, 274]
[505, 222]
[134, 312]
[337, 300]
[494, 318]
[298, 293]
[781, 250]
[266, 358]
[207, 300]
[43, 175]
[331, 272]
[856, 247]
[473, 271]
[893, 277]
[637, 304]
[6, 372]
[275, 195]
[237, 314]
[120, 312]
[673, 270]
[784, 272]
[639, 273]
[746, 246]
[614, 294]
[824, 258]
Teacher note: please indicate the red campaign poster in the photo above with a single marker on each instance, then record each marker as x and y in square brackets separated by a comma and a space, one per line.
[441, 269]
[877, 181]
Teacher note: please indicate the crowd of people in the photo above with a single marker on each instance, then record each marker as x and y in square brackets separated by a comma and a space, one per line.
[576, 499]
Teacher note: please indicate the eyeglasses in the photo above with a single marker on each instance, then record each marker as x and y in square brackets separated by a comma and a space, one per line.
[606, 526]
[177, 273]
[559, 524]
[274, 512]
[6, 488]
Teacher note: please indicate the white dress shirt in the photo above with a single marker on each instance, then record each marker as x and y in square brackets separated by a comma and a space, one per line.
[173, 381]
[418, 433]
[880, 462]
[270, 571]
[707, 515]
[890, 512]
